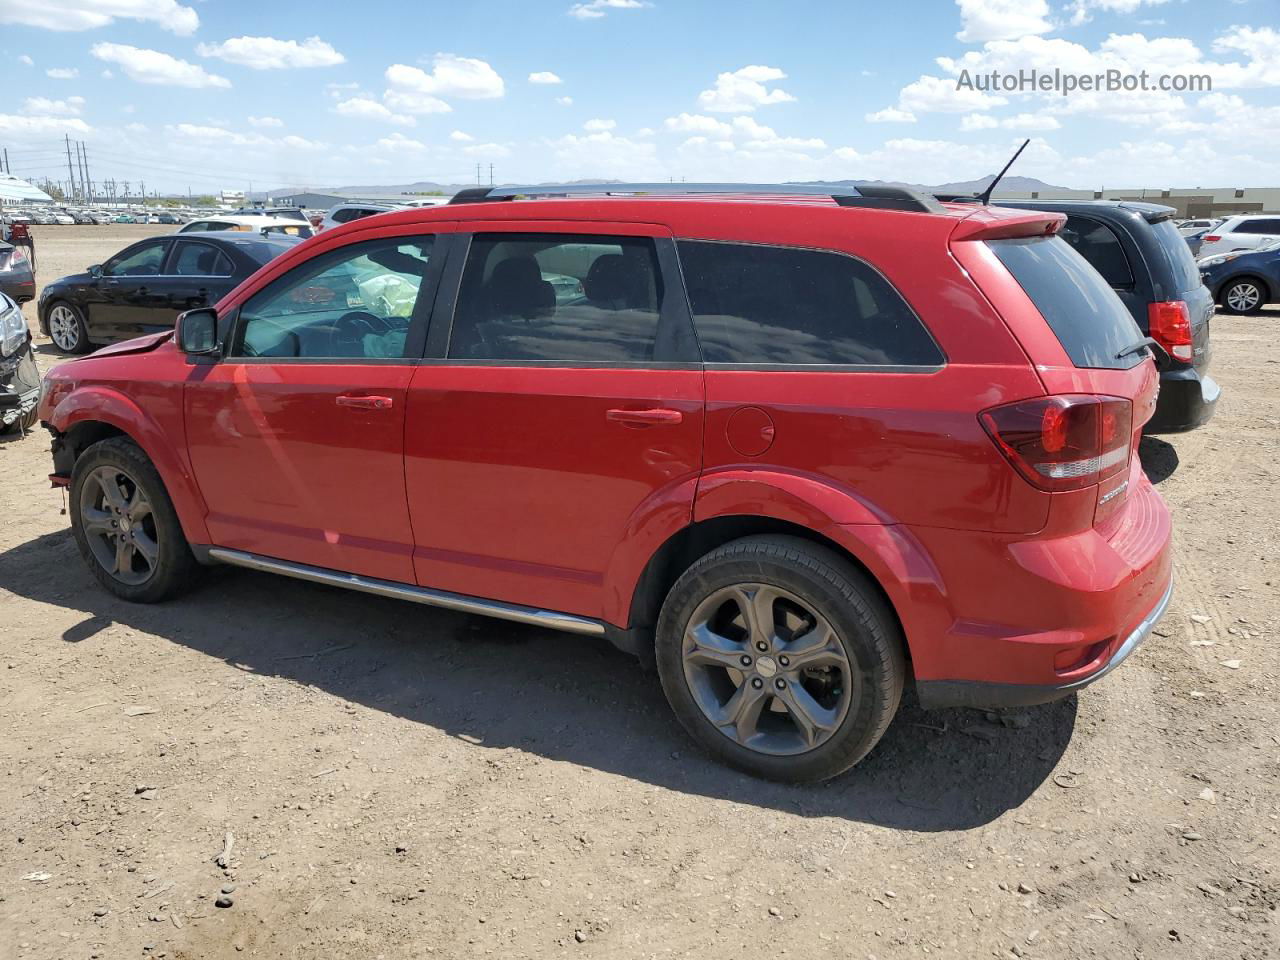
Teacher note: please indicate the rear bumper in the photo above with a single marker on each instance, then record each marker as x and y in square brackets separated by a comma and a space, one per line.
[936, 694]
[20, 287]
[1187, 400]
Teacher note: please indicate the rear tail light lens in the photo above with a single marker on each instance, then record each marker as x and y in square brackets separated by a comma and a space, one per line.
[1063, 442]
[1170, 326]
[1210, 239]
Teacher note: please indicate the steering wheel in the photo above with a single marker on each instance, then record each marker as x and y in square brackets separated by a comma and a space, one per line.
[350, 329]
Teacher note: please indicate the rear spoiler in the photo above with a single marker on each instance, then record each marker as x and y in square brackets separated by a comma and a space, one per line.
[1026, 223]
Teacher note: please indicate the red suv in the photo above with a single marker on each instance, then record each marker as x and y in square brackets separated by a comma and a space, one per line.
[793, 446]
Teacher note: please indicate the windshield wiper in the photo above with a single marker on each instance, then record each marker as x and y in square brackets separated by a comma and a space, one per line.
[1146, 343]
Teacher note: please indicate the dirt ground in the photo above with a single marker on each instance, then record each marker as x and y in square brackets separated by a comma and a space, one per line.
[398, 782]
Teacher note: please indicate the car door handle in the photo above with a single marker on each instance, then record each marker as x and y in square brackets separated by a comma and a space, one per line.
[365, 403]
[644, 418]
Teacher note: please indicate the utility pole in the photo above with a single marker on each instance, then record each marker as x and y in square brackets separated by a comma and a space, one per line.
[84, 152]
[6, 161]
[142, 189]
[84, 186]
[477, 174]
[491, 174]
[71, 177]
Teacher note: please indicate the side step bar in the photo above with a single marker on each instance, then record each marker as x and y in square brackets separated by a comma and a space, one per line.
[403, 591]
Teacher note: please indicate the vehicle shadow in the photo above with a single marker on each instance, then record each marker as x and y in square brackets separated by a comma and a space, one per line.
[562, 697]
[1159, 459]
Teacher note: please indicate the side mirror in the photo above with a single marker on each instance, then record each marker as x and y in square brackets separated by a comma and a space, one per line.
[95, 271]
[198, 332]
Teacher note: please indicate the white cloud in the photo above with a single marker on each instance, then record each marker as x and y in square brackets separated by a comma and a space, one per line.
[108, 75]
[25, 60]
[136, 127]
[742, 91]
[461, 137]
[891, 115]
[12, 126]
[597, 125]
[937, 95]
[62, 73]
[362, 108]
[399, 143]
[268, 53]
[1021, 121]
[90, 14]
[489, 151]
[262, 122]
[152, 66]
[70, 107]
[604, 155]
[985, 20]
[1082, 10]
[697, 123]
[340, 90]
[565, 101]
[193, 133]
[545, 77]
[464, 78]
[595, 9]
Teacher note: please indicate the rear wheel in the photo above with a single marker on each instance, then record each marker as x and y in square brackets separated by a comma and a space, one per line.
[125, 525]
[67, 328]
[1243, 295]
[780, 658]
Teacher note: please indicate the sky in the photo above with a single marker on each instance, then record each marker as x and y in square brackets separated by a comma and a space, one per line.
[227, 94]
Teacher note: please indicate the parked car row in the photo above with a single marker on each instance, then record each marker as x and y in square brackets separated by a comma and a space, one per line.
[835, 445]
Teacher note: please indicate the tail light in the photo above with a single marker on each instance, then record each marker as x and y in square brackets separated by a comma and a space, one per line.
[1170, 326]
[1063, 442]
[1212, 238]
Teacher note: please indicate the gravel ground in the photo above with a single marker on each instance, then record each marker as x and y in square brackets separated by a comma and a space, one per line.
[398, 782]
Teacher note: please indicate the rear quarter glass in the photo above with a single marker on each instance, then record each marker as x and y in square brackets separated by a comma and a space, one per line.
[1176, 256]
[1084, 313]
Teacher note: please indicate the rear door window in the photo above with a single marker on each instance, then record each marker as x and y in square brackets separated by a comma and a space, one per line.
[1099, 244]
[1259, 226]
[200, 260]
[1085, 314]
[784, 305]
[559, 297]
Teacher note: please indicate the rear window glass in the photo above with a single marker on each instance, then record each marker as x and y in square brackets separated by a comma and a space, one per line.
[782, 305]
[1176, 253]
[1084, 313]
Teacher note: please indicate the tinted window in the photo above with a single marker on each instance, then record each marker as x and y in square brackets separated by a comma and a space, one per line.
[143, 261]
[1258, 226]
[356, 302]
[1084, 313]
[218, 225]
[1098, 243]
[758, 304]
[558, 297]
[1177, 256]
[200, 260]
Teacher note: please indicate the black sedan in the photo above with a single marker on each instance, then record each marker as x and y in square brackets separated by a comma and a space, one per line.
[144, 287]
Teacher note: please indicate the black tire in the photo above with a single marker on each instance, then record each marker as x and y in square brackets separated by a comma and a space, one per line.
[1249, 293]
[175, 567]
[862, 622]
[81, 343]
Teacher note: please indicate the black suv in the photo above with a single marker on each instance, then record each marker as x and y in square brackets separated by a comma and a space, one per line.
[1139, 252]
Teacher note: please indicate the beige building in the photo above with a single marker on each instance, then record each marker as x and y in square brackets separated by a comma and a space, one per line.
[1189, 202]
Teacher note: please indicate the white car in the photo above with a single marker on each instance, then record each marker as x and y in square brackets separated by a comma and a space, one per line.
[256, 224]
[63, 218]
[346, 212]
[1247, 232]
[1188, 227]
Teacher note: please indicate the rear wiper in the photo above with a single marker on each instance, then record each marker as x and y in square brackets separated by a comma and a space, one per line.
[1146, 343]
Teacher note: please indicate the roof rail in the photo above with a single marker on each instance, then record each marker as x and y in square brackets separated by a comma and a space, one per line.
[878, 196]
[957, 198]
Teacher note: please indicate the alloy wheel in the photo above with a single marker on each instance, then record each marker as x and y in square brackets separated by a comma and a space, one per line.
[766, 669]
[119, 525]
[64, 328]
[1244, 297]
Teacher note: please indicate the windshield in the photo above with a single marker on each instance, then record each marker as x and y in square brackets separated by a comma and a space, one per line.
[1084, 313]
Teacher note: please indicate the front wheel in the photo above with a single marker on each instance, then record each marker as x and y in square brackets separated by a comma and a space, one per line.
[67, 328]
[1242, 296]
[125, 524]
[780, 658]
